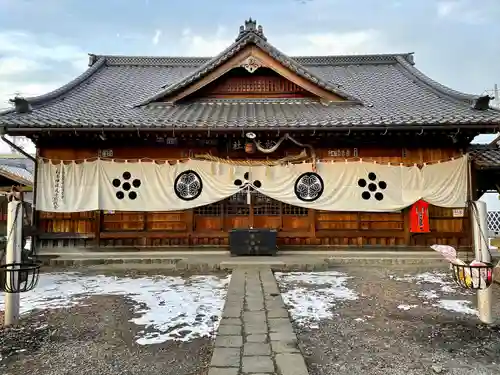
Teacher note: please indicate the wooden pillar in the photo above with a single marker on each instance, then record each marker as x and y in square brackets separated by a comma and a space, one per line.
[222, 215]
[312, 224]
[190, 225]
[35, 215]
[251, 216]
[97, 227]
[406, 226]
[190, 220]
[281, 216]
[358, 228]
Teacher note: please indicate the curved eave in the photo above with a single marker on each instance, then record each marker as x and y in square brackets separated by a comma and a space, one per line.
[44, 98]
[231, 51]
[437, 87]
[15, 178]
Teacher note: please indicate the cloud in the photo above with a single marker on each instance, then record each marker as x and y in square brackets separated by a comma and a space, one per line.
[463, 11]
[446, 8]
[362, 41]
[16, 65]
[22, 142]
[37, 47]
[156, 37]
[193, 44]
[31, 64]
[333, 43]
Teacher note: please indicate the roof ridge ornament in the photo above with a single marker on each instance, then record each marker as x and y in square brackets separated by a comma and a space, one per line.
[251, 27]
[482, 103]
[21, 105]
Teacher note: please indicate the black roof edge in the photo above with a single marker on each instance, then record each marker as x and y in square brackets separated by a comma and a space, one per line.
[495, 143]
[54, 94]
[15, 178]
[480, 128]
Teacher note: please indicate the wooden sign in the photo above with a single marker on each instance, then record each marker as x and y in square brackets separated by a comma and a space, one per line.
[458, 212]
[240, 145]
[343, 152]
[171, 141]
[105, 153]
[237, 145]
[210, 142]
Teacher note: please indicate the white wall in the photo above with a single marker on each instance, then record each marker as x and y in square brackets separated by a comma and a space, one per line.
[492, 201]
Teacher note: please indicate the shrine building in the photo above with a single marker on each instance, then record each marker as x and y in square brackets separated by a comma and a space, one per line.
[330, 151]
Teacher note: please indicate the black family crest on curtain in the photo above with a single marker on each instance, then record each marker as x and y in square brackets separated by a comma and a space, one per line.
[373, 186]
[127, 186]
[188, 185]
[309, 187]
[246, 181]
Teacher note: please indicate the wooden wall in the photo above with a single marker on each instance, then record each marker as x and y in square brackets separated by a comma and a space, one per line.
[209, 225]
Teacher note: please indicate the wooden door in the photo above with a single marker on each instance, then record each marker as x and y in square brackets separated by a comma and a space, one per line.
[237, 212]
[262, 212]
[265, 212]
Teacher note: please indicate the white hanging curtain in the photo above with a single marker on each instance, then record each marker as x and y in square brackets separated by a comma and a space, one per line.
[67, 187]
[149, 186]
[354, 186]
[445, 184]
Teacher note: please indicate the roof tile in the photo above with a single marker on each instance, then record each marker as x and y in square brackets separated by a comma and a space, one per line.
[392, 91]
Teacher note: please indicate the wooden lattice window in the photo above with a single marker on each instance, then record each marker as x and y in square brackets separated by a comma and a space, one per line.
[265, 206]
[289, 209]
[214, 209]
[236, 205]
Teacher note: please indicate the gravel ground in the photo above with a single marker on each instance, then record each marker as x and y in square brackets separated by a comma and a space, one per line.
[95, 337]
[372, 336]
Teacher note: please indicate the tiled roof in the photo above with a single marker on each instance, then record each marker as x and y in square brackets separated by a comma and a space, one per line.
[254, 39]
[392, 92]
[18, 169]
[485, 156]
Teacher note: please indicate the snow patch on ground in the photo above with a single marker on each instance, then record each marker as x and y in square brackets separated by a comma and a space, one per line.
[311, 296]
[459, 306]
[364, 319]
[407, 307]
[169, 308]
[442, 286]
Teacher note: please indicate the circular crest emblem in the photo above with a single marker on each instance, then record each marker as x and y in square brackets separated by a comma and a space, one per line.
[188, 185]
[309, 187]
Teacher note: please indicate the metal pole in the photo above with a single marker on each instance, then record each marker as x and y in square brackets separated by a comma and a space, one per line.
[495, 93]
[13, 255]
[480, 227]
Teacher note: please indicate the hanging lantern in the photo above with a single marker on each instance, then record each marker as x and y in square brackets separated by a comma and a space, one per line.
[419, 217]
[475, 275]
[249, 147]
[468, 275]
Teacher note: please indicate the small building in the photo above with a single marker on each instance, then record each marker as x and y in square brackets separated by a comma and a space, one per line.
[177, 151]
[486, 164]
[15, 170]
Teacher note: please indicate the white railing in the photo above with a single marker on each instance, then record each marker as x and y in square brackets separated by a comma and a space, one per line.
[494, 223]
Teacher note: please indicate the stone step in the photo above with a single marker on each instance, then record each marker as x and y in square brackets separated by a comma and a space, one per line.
[207, 262]
[255, 335]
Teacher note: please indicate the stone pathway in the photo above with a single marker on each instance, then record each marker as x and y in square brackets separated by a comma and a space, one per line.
[255, 336]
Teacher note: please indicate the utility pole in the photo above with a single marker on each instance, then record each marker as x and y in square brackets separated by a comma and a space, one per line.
[482, 253]
[13, 255]
[495, 94]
